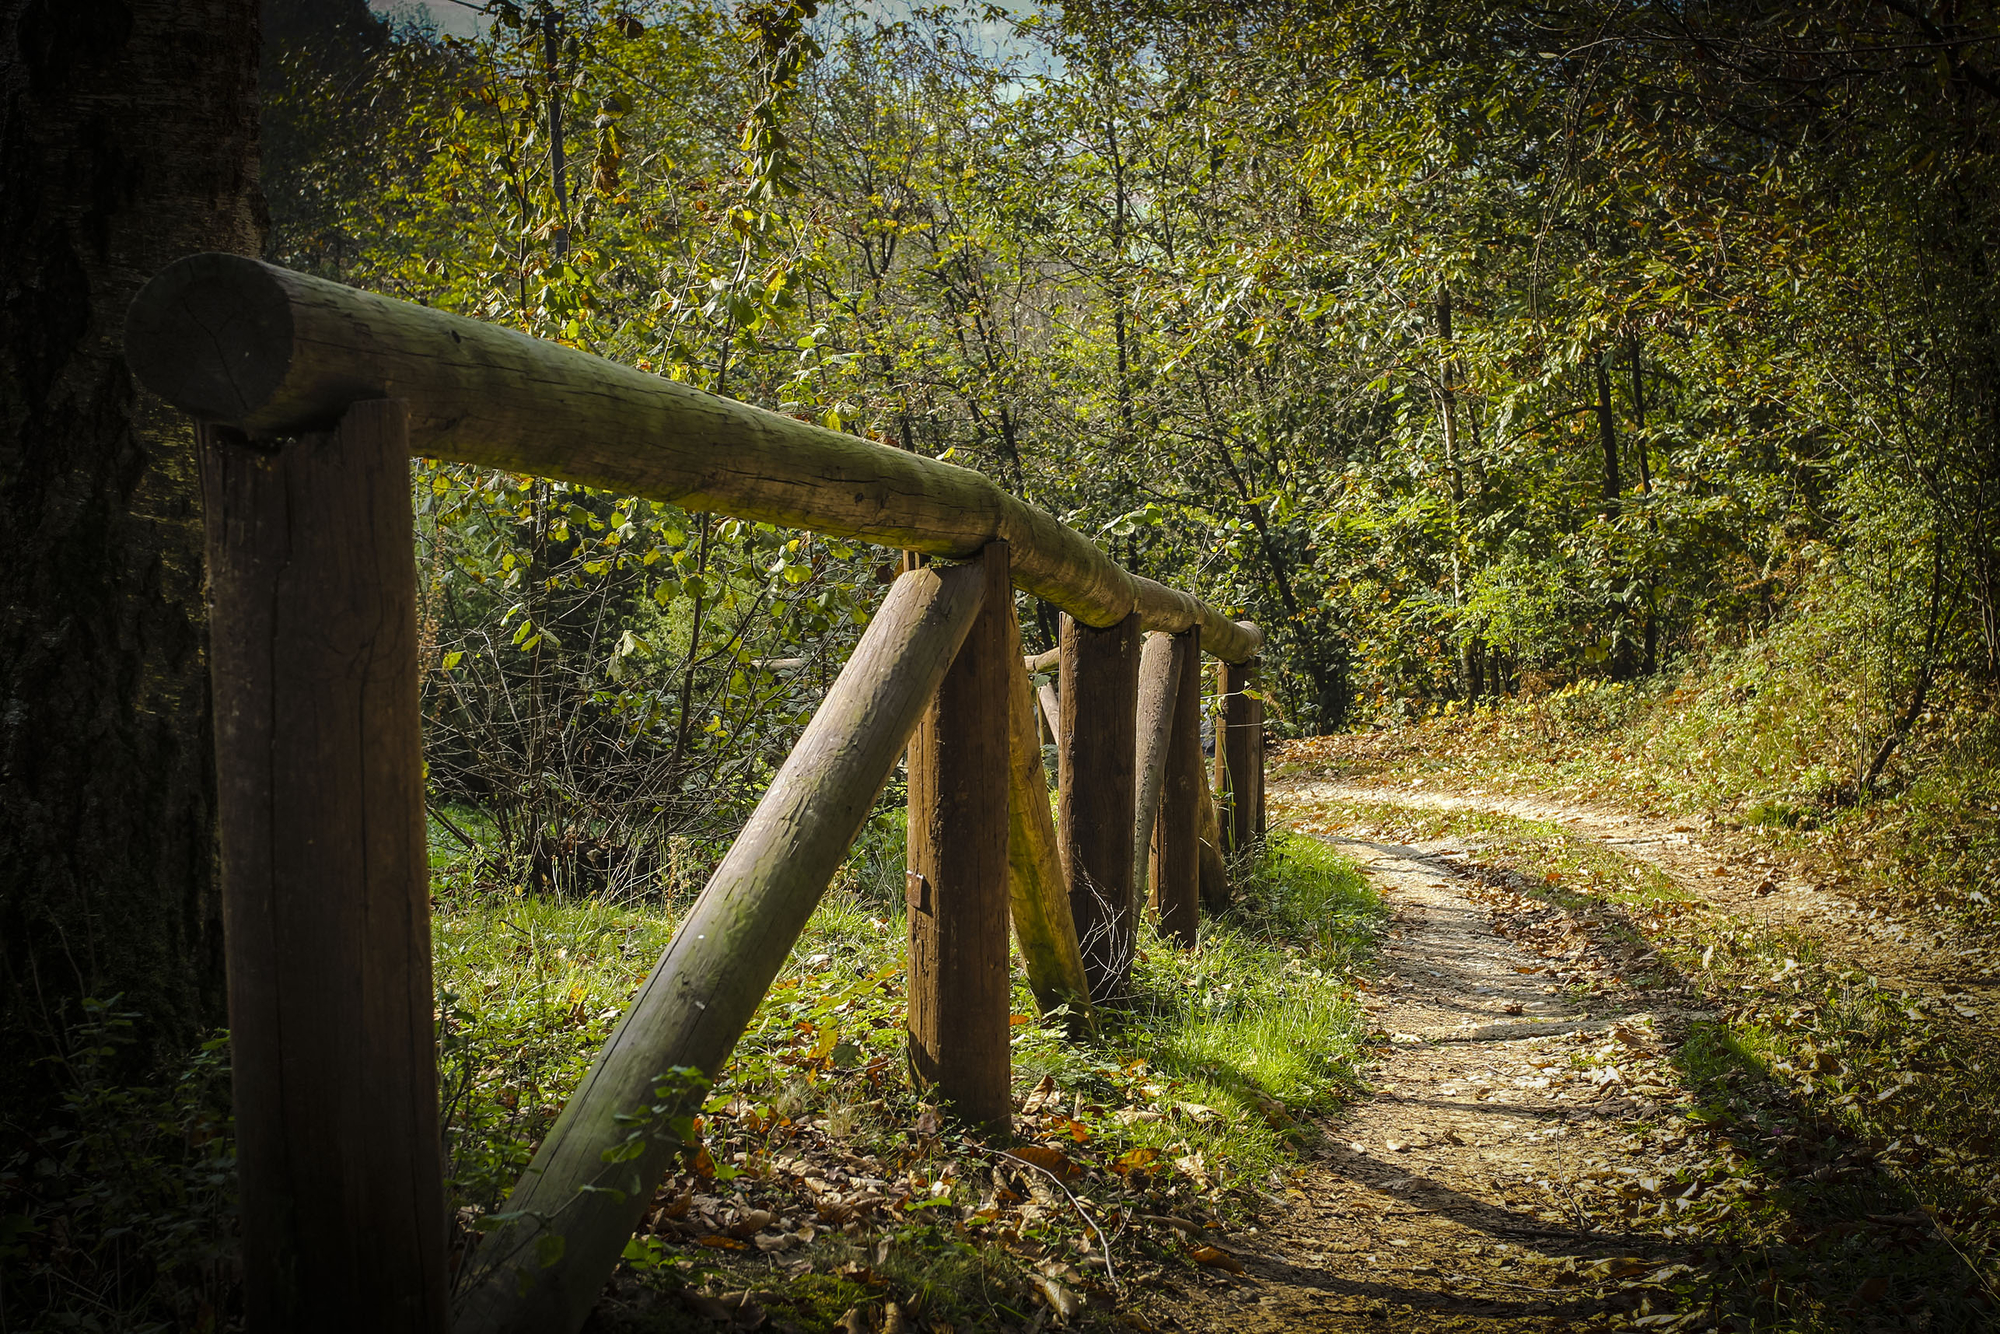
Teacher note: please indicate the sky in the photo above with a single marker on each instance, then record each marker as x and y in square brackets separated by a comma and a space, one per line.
[464, 20]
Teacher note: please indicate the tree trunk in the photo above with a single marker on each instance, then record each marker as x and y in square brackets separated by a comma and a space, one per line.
[1614, 486]
[128, 138]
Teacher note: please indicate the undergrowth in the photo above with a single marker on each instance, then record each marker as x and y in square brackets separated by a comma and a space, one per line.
[820, 1183]
[1774, 738]
[824, 1182]
[1851, 1171]
[117, 1215]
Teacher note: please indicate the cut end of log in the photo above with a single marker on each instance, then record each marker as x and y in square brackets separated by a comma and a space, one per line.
[212, 335]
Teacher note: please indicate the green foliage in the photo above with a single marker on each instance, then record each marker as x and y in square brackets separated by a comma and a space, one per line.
[119, 1215]
[1192, 1098]
[1478, 344]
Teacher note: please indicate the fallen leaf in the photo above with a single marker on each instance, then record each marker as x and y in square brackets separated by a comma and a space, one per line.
[1136, 1159]
[1216, 1257]
[1059, 1298]
[1049, 1160]
[718, 1242]
[1168, 1220]
[752, 1223]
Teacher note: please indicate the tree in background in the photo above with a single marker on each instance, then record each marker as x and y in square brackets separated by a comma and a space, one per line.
[129, 139]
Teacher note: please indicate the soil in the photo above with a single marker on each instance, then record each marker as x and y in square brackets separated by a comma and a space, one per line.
[1442, 1203]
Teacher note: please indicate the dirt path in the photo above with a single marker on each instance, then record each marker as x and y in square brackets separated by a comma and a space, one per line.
[1733, 874]
[1436, 1208]
[1451, 1198]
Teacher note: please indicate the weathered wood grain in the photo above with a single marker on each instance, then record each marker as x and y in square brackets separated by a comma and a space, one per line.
[705, 988]
[1258, 819]
[325, 876]
[1159, 687]
[1037, 892]
[1235, 746]
[1176, 836]
[1044, 662]
[1214, 867]
[1095, 791]
[1051, 707]
[958, 882]
[272, 352]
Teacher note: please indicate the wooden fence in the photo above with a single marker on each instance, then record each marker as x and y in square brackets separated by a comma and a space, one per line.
[310, 398]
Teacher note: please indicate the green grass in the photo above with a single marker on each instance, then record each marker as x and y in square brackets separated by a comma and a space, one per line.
[1832, 1103]
[1187, 1100]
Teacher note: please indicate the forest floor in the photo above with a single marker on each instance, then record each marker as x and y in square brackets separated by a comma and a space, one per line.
[1639, 1074]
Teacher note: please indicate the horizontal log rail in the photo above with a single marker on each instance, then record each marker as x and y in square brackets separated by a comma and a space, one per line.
[271, 353]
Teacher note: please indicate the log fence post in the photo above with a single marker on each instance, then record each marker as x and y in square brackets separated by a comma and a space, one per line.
[1095, 792]
[1176, 835]
[957, 883]
[1258, 822]
[1235, 756]
[325, 876]
[1159, 689]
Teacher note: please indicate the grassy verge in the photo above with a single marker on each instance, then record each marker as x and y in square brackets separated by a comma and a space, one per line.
[824, 1183]
[1754, 740]
[1825, 1142]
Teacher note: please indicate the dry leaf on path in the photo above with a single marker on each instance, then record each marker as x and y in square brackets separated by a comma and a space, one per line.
[1217, 1258]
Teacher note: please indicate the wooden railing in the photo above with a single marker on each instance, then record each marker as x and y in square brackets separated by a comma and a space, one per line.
[310, 399]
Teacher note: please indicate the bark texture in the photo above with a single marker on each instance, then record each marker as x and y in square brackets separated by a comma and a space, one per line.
[1038, 896]
[273, 352]
[326, 878]
[957, 883]
[1176, 833]
[1237, 755]
[1096, 787]
[127, 140]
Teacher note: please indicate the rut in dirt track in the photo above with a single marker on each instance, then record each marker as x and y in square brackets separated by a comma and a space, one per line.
[1433, 1208]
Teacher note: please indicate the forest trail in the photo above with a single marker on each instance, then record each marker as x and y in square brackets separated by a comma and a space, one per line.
[1729, 872]
[1453, 1197]
[1424, 1211]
